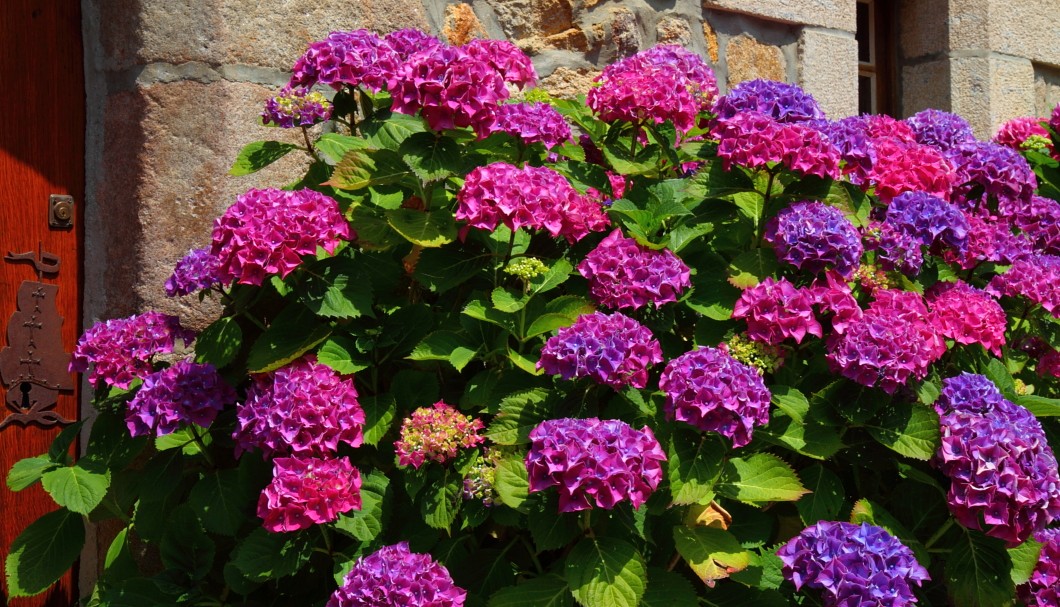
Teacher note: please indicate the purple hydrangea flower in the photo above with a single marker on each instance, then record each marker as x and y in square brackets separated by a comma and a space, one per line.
[406, 42]
[997, 172]
[307, 491]
[199, 269]
[852, 565]
[395, 577]
[1037, 278]
[529, 122]
[813, 236]
[296, 107]
[624, 274]
[185, 393]
[776, 310]
[941, 130]
[614, 350]
[780, 101]
[357, 58]
[713, 392]
[1003, 474]
[755, 140]
[513, 65]
[968, 315]
[120, 350]
[990, 238]
[1043, 588]
[594, 463]
[1040, 223]
[916, 220]
[266, 233]
[304, 407]
[850, 137]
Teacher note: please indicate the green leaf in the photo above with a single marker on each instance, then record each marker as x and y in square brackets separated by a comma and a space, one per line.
[291, 334]
[760, 478]
[119, 562]
[712, 295]
[110, 445]
[551, 529]
[848, 198]
[519, 414]
[808, 437]
[449, 346]
[556, 275]
[367, 523]
[477, 309]
[334, 146]
[43, 552]
[184, 439]
[337, 288]
[427, 229]
[506, 301]
[359, 169]
[695, 463]
[389, 130]
[136, 592]
[79, 488]
[219, 343]
[443, 269]
[441, 501]
[644, 162]
[340, 353]
[259, 154]
[978, 572]
[750, 204]
[266, 556]
[223, 500]
[996, 372]
[545, 591]
[712, 553]
[431, 157]
[606, 572]
[59, 450]
[668, 589]
[27, 471]
[1040, 406]
[511, 482]
[185, 546]
[1024, 559]
[751, 267]
[826, 496]
[866, 511]
[910, 429]
[379, 414]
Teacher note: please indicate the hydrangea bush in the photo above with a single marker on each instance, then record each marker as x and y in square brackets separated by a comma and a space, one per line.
[653, 346]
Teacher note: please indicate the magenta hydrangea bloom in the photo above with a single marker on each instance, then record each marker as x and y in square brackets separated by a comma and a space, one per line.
[701, 79]
[1040, 224]
[624, 274]
[266, 233]
[395, 577]
[755, 140]
[776, 310]
[1049, 364]
[852, 565]
[513, 65]
[1015, 132]
[1036, 278]
[199, 269]
[941, 130]
[833, 296]
[893, 341]
[990, 238]
[780, 101]
[881, 126]
[448, 86]
[850, 137]
[120, 350]
[186, 393]
[910, 167]
[307, 491]
[296, 107]
[635, 91]
[613, 350]
[968, 315]
[1003, 474]
[529, 122]
[594, 463]
[1043, 588]
[999, 172]
[357, 58]
[813, 236]
[303, 408]
[436, 433]
[713, 392]
[406, 42]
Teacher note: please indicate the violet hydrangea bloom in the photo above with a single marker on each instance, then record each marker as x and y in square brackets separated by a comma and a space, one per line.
[1043, 587]
[755, 140]
[296, 107]
[776, 310]
[941, 130]
[186, 393]
[1040, 224]
[266, 233]
[1000, 173]
[1036, 278]
[1003, 474]
[436, 433]
[302, 408]
[850, 137]
[780, 101]
[594, 463]
[120, 350]
[357, 58]
[531, 197]
[613, 350]
[852, 565]
[916, 220]
[307, 491]
[528, 122]
[624, 274]
[199, 269]
[813, 236]
[395, 577]
[968, 315]
[713, 392]
[513, 65]
[406, 42]
[990, 238]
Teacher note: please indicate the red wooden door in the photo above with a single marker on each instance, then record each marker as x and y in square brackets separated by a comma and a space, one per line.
[42, 128]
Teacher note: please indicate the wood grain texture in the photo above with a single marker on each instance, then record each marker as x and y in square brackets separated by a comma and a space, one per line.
[41, 153]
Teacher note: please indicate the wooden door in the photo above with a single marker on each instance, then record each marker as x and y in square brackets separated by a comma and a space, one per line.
[42, 130]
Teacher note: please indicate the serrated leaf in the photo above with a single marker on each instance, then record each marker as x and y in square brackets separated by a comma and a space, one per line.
[389, 130]
[511, 482]
[27, 471]
[545, 591]
[996, 372]
[551, 529]
[59, 450]
[219, 343]
[763, 571]
[263, 556]
[519, 414]
[449, 346]
[606, 572]
[810, 437]
[693, 467]
[760, 478]
[367, 523]
[185, 546]
[223, 501]
[379, 413]
[440, 502]
[524, 363]
[478, 310]
[667, 589]
[750, 204]
[978, 572]
[79, 488]
[752, 267]
[291, 334]
[431, 157]
[43, 552]
[712, 295]
[340, 353]
[443, 269]
[257, 155]
[1024, 559]
[427, 229]
[557, 274]
[826, 496]
[506, 301]
[334, 146]
[359, 169]
[712, 553]
[336, 288]
[1040, 406]
[909, 429]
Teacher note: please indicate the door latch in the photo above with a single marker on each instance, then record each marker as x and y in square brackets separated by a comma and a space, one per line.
[60, 211]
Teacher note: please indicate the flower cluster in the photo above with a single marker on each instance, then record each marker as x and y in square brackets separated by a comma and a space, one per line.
[910, 167]
[307, 491]
[1043, 587]
[1040, 224]
[526, 268]
[701, 79]
[120, 350]
[1036, 278]
[999, 172]
[989, 239]
[594, 463]
[185, 393]
[296, 107]
[967, 315]
[941, 130]
[763, 357]
[1003, 475]
[624, 274]
[531, 197]
[776, 310]
[1049, 364]
[199, 269]
[713, 392]
[614, 350]
[357, 58]
[528, 122]
[1016, 133]
[813, 236]
[481, 478]
[304, 407]
[266, 233]
[916, 220]
[850, 137]
[852, 565]
[780, 101]
[833, 296]
[513, 65]
[436, 433]
[393, 576]
[637, 92]
[755, 140]
[406, 42]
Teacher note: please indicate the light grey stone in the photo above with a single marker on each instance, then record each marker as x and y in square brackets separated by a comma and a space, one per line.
[988, 91]
[837, 14]
[828, 70]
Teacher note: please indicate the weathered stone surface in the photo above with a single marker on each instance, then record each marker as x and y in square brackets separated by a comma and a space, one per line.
[1046, 91]
[922, 28]
[827, 70]
[925, 85]
[711, 38]
[673, 30]
[988, 91]
[570, 40]
[567, 82]
[461, 24]
[1025, 29]
[837, 14]
[526, 18]
[625, 35]
[969, 26]
[747, 59]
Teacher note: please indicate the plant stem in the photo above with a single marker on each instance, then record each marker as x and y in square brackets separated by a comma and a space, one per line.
[533, 555]
[938, 534]
[674, 561]
[202, 446]
[309, 144]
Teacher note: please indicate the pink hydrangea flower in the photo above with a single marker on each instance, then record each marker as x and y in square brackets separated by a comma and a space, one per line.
[513, 65]
[185, 393]
[266, 233]
[755, 140]
[436, 433]
[910, 167]
[357, 58]
[395, 577]
[990, 238]
[1036, 278]
[307, 491]
[833, 296]
[120, 350]
[1049, 363]
[1040, 224]
[1015, 132]
[776, 310]
[624, 274]
[613, 350]
[529, 122]
[1043, 587]
[968, 315]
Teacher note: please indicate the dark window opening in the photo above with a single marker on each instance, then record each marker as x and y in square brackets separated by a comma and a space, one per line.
[875, 56]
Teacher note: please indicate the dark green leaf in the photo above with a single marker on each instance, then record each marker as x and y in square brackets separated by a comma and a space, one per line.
[292, 333]
[978, 572]
[760, 478]
[430, 156]
[550, 528]
[751, 267]
[909, 429]
[426, 229]
[43, 552]
[545, 591]
[185, 546]
[826, 496]
[479, 310]
[519, 413]
[366, 523]
[389, 130]
[341, 354]
[270, 556]
[379, 413]
[223, 500]
[110, 444]
[606, 572]
[59, 451]
[440, 501]
[667, 589]
[694, 465]
[449, 346]
[219, 343]
[557, 274]
[443, 269]
[866, 511]
[336, 288]
[259, 154]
